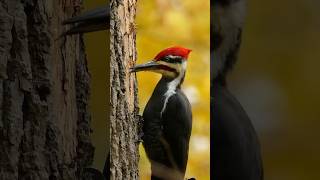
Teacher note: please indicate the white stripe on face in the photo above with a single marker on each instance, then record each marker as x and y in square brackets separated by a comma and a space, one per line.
[178, 67]
[172, 86]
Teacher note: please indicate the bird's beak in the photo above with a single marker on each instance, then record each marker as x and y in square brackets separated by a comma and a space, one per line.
[149, 66]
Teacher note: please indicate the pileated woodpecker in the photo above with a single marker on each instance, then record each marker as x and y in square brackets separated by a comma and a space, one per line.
[235, 149]
[167, 116]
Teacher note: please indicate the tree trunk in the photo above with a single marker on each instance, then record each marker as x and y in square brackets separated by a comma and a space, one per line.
[44, 89]
[124, 154]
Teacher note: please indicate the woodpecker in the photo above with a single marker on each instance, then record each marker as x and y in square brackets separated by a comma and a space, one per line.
[236, 149]
[167, 116]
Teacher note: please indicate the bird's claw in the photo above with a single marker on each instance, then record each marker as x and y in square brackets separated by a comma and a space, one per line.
[140, 137]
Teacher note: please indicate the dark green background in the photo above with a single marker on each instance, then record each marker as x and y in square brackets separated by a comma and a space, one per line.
[277, 79]
[97, 47]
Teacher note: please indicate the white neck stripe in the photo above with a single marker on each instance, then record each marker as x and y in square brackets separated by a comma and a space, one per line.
[172, 86]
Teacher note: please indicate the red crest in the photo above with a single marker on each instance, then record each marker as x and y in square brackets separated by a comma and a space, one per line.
[174, 51]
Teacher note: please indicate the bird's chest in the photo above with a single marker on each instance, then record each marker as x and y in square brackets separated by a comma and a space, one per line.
[156, 111]
[157, 106]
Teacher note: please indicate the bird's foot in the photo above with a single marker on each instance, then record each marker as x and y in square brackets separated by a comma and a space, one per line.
[140, 138]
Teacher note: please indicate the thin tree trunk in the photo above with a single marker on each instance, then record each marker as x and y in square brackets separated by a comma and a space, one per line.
[124, 154]
[44, 89]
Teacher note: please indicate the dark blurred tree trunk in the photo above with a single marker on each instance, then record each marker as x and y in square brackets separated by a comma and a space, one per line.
[44, 89]
[124, 154]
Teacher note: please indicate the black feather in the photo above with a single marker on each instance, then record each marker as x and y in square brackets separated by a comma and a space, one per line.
[235, 148]
[166, 137]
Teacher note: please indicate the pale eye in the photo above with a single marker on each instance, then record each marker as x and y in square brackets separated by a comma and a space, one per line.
[167, 59]
[170, 59]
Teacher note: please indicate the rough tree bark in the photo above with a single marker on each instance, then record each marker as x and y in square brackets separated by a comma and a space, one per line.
[124, 154]
[44, 89]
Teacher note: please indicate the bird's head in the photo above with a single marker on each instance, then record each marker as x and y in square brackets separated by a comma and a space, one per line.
[170, 62]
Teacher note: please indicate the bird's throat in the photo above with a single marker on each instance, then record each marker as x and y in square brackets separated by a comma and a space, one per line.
[171, 87]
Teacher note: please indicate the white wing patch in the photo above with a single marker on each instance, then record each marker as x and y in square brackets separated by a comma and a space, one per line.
[172, 86]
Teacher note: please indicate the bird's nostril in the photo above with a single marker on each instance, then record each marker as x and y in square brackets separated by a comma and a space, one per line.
[216, 40]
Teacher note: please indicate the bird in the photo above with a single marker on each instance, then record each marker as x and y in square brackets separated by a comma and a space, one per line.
[167, 117]
[94, 20]
[236, 151]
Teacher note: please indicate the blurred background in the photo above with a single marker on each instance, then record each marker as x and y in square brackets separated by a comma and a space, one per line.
[277, 80]
[164, 23]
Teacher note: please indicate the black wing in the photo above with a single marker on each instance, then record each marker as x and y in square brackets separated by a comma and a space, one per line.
[177, 125]
[235, 148]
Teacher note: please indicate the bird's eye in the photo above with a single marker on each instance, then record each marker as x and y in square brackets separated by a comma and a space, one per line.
[170, 59]
[167, 59]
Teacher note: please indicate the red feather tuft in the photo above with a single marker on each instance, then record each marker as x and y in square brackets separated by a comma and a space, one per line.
[174, 51]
